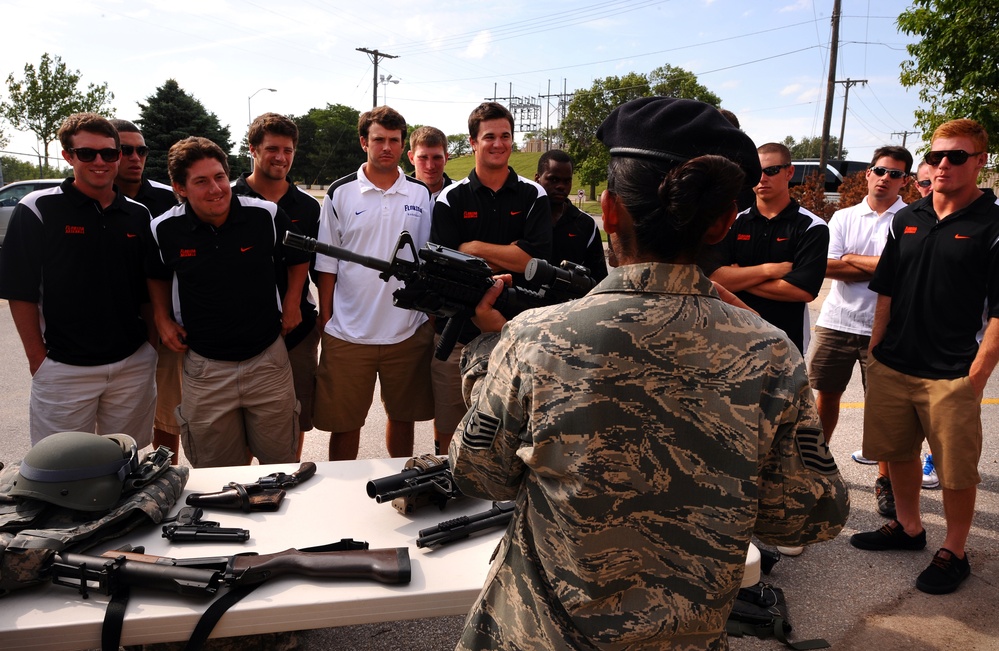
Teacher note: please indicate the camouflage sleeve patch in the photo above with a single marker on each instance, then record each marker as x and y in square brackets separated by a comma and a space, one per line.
[480, 430]
[814, 452]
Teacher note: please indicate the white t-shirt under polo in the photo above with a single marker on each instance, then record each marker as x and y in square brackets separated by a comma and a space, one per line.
[849, 307]
[362, 218]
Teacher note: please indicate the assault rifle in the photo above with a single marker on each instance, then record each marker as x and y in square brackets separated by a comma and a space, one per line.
[265, 494]
[348, 559]
[462, 527]
[424, 480]
[449, 284]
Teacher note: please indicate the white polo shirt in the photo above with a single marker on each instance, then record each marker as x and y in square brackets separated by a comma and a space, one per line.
[849, 307]
[358, 216]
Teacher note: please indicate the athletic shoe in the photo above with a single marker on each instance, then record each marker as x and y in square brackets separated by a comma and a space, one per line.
[859, 457]
[790, 551]
[889, 536]
[945, 573]
[930, 479]
[886, 497]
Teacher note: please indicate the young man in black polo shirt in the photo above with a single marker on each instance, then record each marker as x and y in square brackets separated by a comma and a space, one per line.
[575, 236]
[929, 368]
[212, 282]
[774, 256]
[273, 139]
[71, 267]
[158, 198]
[493, 214]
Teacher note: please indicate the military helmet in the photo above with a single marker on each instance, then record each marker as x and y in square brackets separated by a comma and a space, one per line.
[77, 470]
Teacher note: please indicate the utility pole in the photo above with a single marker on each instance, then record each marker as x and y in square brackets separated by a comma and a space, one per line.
[904, 135]
[846, 98]
[560, 108]
[830, 88]
[375, 56]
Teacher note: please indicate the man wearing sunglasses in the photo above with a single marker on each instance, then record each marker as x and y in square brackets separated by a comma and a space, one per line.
[928, 372]
[924, 184]
[843, 330]
[72, 269]
[774, 256]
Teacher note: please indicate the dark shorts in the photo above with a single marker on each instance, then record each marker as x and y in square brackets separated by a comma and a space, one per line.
[833, 356]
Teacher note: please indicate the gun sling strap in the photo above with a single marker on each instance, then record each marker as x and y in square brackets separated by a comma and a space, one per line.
[114, 616]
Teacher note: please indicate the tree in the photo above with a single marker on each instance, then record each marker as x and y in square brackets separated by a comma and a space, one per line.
[328, 145]
[48, 95]
[170, 115]
[809, 146]
[954, 62]
[812, 195]
[458, 145]
[14, 169]
[589, 108]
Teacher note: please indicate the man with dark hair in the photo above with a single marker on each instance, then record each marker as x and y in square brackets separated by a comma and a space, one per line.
[428, 154]
[273, 139]
[575, 236]
[774, 257]
[71, 268]
[647, 430]
[843, 330]
[365, 336]
[211, 271]
[493, 214]
[938, 269]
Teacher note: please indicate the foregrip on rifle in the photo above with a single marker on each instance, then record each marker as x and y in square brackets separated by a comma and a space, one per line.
[106, 575]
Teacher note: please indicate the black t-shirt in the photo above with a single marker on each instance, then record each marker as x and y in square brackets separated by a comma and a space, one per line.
[943, 278]
[576, 238]
[225, 291]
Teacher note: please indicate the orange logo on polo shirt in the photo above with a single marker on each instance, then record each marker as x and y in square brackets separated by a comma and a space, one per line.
[783, 239]
[962, 237]
[742, 237]
[469, 214]
[74, 230]
[130, 235]
[244, 249]
[909, 230]
[188, 253]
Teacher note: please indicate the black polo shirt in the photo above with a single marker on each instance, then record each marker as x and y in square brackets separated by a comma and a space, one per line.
[940, 274]
[83, 264]
[467, 211]
[158, 197]
[793, 235]
[224, 289]
[576, 238]
[303, 211]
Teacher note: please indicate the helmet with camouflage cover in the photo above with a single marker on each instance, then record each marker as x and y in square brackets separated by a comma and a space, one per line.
[77, 470]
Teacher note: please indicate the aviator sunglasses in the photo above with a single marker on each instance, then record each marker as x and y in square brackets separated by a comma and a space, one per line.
[773, 169]
[128, 150]
[955, 156]
[88, 155]
[894, 174]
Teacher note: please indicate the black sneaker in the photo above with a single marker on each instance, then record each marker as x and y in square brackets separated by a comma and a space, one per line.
[889, 536]
[945, 573]
[886, 497]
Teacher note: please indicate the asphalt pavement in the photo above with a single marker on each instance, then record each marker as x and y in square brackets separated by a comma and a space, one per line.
[856, 600]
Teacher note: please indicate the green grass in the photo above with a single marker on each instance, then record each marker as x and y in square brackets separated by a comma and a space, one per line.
[525, 164]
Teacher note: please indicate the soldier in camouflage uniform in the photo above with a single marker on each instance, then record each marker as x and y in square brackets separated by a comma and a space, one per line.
[647, 430]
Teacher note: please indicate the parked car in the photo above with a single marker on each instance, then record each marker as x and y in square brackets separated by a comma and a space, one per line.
[11, 193]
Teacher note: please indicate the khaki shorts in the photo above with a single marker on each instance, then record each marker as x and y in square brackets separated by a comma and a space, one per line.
[169, 370]
[345, 381]
[902, 410]
[304, 359]
[833, 356]
[449, 405]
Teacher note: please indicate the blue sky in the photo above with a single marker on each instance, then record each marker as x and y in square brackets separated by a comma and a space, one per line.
[767, 60]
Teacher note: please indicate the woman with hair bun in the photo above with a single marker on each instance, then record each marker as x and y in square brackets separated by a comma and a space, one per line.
[647, 430]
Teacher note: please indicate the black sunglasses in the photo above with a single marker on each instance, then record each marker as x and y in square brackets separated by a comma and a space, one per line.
[894, 174]
[128, 150]
[925, 183]
[773, 169]
[88, 154]
[955, 156]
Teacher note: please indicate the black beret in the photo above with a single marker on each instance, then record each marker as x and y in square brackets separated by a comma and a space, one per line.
[676, 130]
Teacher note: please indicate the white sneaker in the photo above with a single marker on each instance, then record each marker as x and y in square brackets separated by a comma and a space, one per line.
[930, 479]
[790, 551]
[859, 457]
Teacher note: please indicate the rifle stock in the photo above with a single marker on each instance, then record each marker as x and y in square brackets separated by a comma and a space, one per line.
[390, 566]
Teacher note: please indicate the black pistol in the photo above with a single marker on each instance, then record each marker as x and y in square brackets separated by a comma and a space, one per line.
[189, 527]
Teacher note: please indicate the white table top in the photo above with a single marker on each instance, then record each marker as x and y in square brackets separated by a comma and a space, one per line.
[330, 506]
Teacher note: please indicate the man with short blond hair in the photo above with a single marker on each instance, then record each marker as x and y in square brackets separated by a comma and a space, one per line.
[938, 268]
[71, 269]
[428, 154]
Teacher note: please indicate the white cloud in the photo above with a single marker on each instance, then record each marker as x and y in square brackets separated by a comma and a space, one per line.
[479, 46]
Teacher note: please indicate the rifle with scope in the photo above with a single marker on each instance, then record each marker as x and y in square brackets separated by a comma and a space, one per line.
[449, 284]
